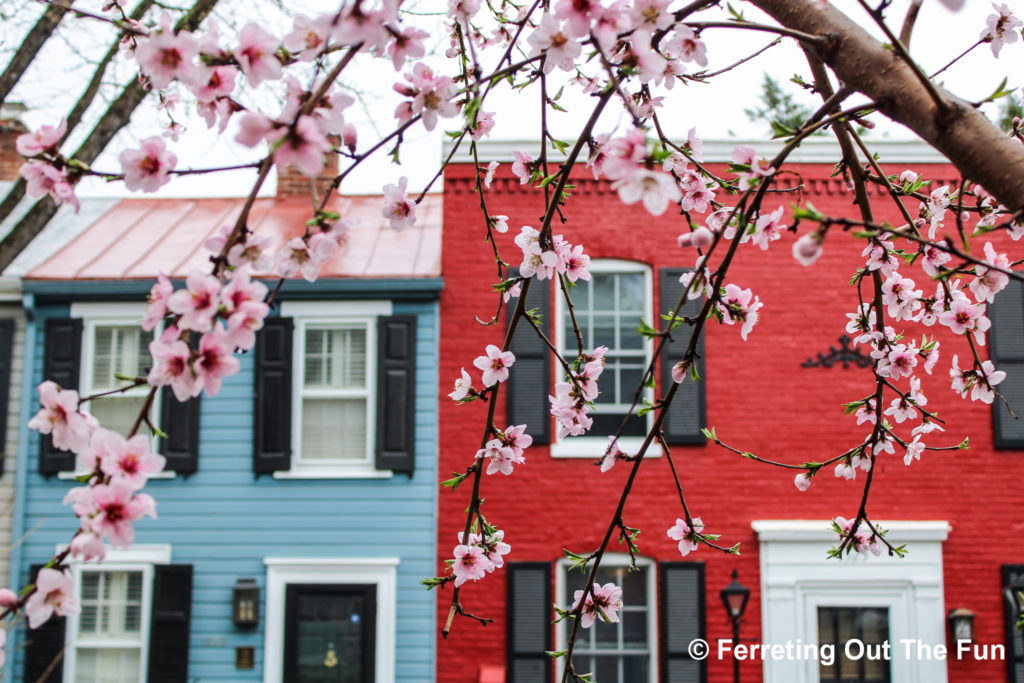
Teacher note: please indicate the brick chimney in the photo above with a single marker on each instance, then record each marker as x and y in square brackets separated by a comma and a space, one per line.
[292, 183]
[10, 128]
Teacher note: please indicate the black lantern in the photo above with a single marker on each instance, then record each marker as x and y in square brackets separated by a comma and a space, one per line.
[735, 596]
[961, 624]
[245, 603]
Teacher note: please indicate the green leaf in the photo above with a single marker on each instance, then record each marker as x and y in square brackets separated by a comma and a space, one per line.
[1000, 91]
[709, 433]
[647, 331]
[432, 582]
[84, 478]
[454, 482]
[555, 654]
[965, 444]
[735, 550]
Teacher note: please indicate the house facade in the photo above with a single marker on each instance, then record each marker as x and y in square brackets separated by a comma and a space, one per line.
[297, 513]
[778, 395]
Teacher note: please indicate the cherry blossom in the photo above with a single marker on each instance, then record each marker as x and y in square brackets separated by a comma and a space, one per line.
[963, 317]
[308, 37]
[214, 361]
[990, 282]
[303, 146]
[197, 304]
[164, 55]
[739, 305]
[294, 257]
[470, 564]
[61, 419]
[603, 602]
[463, 387]
[173, 366]
[501, 457]
[147, 168]
[683, 44]
[686, 535]
[522, 167]
[495, 365]
[1000, 28]
[558, 47]
[256, 54]
[656, 190]
[399, 210]
[54, 594]
[45, 139]
[41, 179]
[431, 96]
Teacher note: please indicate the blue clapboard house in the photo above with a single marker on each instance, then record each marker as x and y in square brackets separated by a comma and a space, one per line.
[298, 512]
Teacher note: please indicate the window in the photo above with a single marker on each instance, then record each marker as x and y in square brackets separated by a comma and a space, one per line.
[806, 596]
[113, 350]
[608, 310]
[109, 640]
[333, 616]
[869, 625]
[624, 652]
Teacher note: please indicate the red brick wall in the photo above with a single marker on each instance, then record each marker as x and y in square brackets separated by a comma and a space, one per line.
[290, 182]
[10, 160]
[758, 398]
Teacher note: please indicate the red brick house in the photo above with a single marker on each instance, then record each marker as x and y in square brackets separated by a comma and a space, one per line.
[958, 511]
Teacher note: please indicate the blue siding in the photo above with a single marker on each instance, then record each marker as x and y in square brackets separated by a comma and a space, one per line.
[224, 522]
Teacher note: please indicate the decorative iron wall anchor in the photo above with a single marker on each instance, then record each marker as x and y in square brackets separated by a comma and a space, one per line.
[845, 355]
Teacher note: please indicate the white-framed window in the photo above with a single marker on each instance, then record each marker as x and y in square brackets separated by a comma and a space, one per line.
[108, 641]
[334, 388]
[608, 310]
[373, 576]
[623, 652]
[114, 343]
[801, 587]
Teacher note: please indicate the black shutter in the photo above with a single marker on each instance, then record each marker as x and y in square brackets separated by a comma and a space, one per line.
[272, 417]
[61, 357]
[529, 381]
[682, 620]
[396, 393]
[169, 626]
[1013, 583]
[44, 646]
[180, 422]
[529, 621]
[1006, 346]
[685, 416]
[6, 351]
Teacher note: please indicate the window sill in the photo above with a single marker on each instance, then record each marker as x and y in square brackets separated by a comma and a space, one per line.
[74, 475]
[334, 473]
[594, 447]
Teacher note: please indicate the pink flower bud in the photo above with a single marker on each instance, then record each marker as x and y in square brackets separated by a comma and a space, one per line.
[348, 137]
[685, 240]
[908, 177]
[702, 237]
[802, 481]
[807, 249]
[8, 598]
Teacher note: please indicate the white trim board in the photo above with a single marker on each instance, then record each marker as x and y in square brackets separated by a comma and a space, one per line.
[797, 577]
[282, 571]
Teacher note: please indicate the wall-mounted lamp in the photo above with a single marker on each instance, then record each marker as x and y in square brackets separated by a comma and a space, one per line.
[245, 603]
[961, 624]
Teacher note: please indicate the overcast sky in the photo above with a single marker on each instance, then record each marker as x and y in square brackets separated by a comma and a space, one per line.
[716, 109]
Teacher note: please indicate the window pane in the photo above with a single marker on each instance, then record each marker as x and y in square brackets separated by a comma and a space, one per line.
[629, 380]
[629, 338]
[604, 292]
[634, 629]
[115, 665]
[334, 429]
[606, 635]
[635, 668]
[870, 625]
[111, 605]
[631, 294]
[604, 330]
[607, 670]
[117, 413]
[335, 358]
[118, 350]
[634, 587]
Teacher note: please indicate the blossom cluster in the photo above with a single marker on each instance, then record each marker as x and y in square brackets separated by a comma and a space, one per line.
[477, 555]
[603, 602]
[863, 540]
[561, 259]
[575, 395]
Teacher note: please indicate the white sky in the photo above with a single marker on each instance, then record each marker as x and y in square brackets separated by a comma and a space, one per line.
[716, 109]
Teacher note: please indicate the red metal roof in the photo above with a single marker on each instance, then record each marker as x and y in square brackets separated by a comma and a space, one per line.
[139, 238]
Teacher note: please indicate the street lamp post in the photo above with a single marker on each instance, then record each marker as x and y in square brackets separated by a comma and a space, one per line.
[734, 597]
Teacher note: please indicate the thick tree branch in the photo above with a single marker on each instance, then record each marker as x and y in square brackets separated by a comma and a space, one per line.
[29, 48]
[966, 137]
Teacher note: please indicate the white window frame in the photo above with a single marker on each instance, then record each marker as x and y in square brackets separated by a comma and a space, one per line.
[564, 600]
[119, 314]
[284, 571]
[797, 578]
[594, 445]
[141, 557]
[307, 314]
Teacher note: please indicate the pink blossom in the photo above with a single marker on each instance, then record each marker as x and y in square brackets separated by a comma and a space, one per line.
[577, 264]
[60, 418]
[253, 128]
[196, 304]
[611, 454]
[256, 54]
[802, 481]
[42, 178]
[656, 190]
[768, 228]
[489, 174]
[54, 593]
[173, 366]
[131, 460]
[483, 126]
[244, 323]
[603, 602]
[45, 139]
[308, 37]
[407, 44]
[164, 55]
[254, 252]
[680, 371]
[431, 96]
[990, 282]
[684, 44]
[495, 365]
[87, 547]
[1000, 28]
[522, 167]
[349, 137]
[116, 507]
[302, 146]
[147, 168]
[294, 257]
[214, 362]
[239, 290]
[501, 457]
[739, 305]
[963, 317]
[210, 83]
[687, 536]
[863, 540]
[8, 598]
[933, 258]
[559, 47]
[157, 308]
[399, 210]
[914, 450]
[470, 564]
[516, 438]
[463, 387]
[807, 249]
